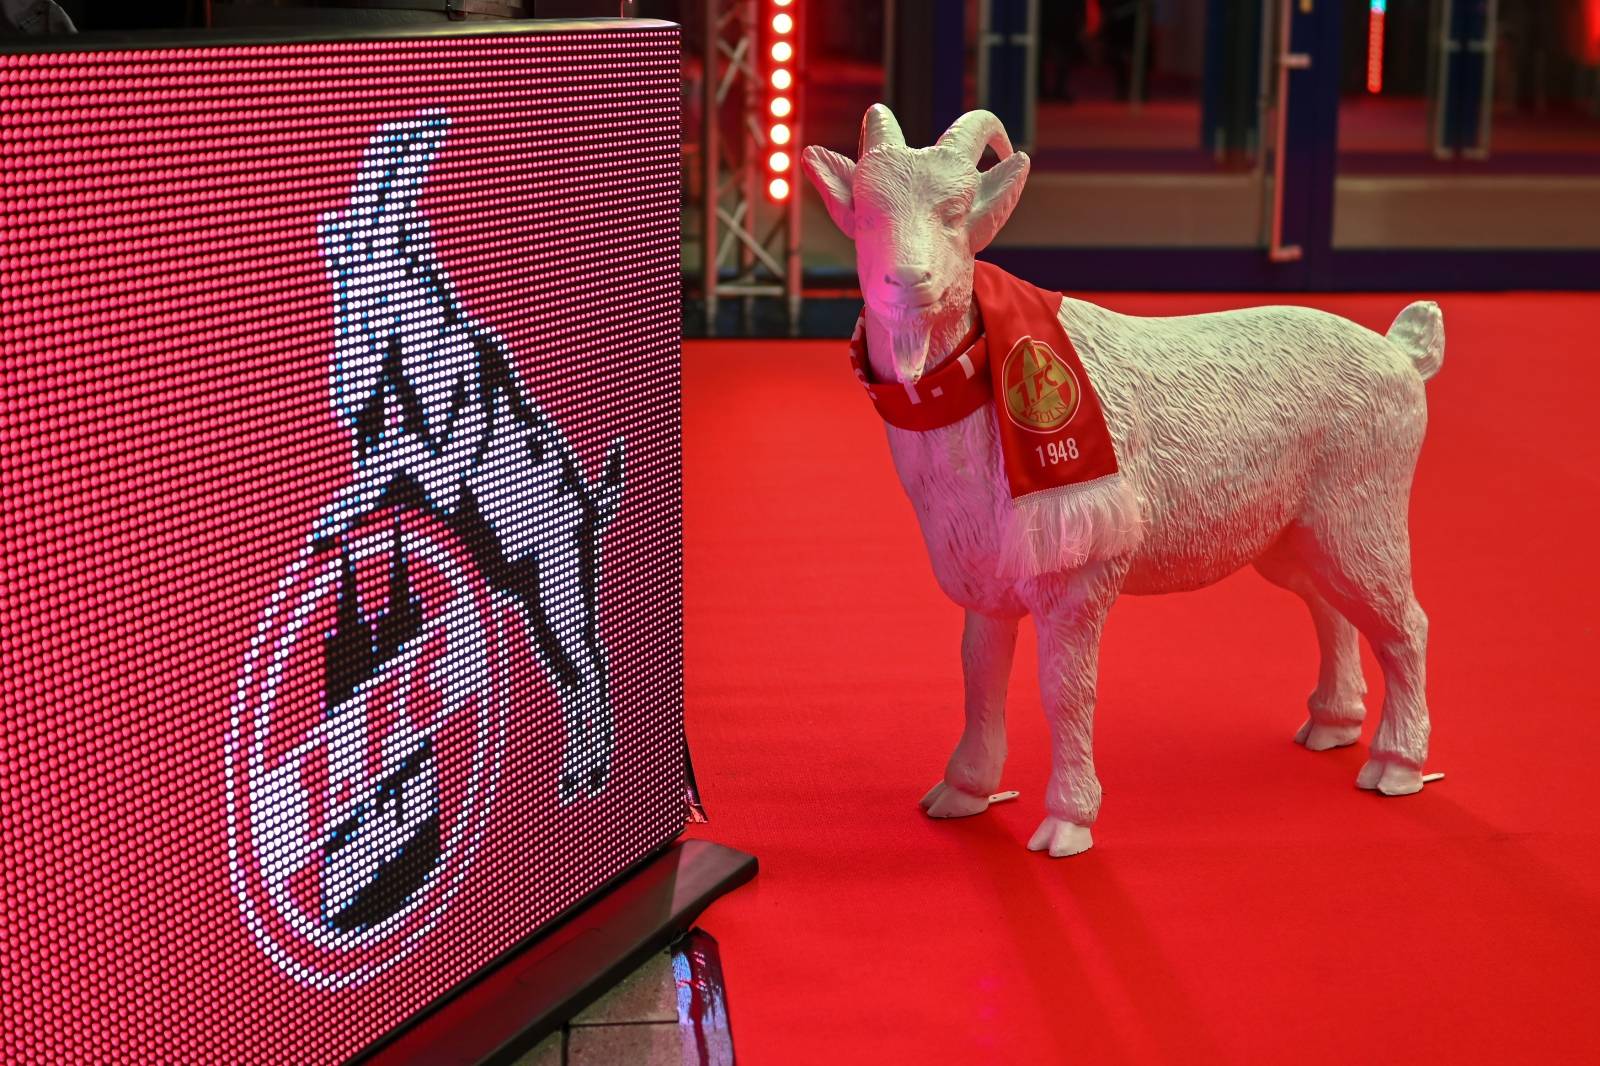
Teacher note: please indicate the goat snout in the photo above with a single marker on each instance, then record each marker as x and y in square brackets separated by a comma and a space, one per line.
[908, 277]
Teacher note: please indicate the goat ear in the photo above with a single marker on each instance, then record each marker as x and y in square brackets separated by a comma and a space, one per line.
[831, 173]
[999, 187]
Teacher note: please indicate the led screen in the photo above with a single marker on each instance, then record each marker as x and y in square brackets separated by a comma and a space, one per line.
[341, 540]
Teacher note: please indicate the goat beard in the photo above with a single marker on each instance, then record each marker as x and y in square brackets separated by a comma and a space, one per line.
[909, 349]
[912, 333]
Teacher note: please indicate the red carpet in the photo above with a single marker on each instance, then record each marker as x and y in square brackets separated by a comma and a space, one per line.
[1243, 902]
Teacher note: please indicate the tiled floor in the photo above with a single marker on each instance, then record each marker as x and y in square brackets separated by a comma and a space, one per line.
[671, 1011]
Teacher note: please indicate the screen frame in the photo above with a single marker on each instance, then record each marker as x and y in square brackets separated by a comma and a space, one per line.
[551, 925]
[201, 39]
[245, 36]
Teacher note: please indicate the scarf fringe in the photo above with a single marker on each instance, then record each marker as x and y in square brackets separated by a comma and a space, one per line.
[1066, 527]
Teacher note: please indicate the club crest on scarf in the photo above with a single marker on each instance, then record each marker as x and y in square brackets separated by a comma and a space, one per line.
[1041, 392]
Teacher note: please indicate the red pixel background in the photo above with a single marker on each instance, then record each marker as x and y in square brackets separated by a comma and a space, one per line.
[167, 441]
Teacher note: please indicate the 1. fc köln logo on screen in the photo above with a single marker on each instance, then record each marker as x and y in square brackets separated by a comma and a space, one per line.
[367, 726]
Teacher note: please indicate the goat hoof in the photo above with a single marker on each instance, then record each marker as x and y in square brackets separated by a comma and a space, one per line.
[1061, 838]
[946, 801]
[1389, 778]
[1325, 736]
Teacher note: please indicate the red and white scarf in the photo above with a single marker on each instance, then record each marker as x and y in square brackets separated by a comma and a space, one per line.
[1052, 431]
[1070, 504]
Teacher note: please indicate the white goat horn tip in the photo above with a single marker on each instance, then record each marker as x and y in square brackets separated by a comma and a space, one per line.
[879, 127]
[974, 131]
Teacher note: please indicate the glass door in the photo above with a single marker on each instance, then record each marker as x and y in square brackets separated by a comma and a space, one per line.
[1279, 144]
[1245, 144]
[1467, 140]
[1153, 127]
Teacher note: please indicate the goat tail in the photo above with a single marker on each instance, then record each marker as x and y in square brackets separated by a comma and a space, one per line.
[1418, 331]
[605, 491]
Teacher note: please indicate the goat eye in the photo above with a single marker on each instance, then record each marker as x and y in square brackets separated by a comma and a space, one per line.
[952, 212]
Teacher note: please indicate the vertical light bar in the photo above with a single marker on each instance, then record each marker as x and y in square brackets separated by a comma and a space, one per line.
[782, 86]
[1375, 45]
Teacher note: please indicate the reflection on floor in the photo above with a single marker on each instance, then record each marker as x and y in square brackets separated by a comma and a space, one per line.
[671, 1011]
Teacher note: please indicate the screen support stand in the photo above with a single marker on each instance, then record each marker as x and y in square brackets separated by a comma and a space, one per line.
[535, 991]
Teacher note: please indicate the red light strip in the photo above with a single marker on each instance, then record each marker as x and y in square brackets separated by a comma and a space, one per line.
[1375, 50]
[782, 25]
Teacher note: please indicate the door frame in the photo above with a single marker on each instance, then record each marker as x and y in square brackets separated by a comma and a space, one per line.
[1310, 171]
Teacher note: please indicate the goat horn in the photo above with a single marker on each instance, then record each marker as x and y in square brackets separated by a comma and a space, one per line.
[878, 127]
[974, 131]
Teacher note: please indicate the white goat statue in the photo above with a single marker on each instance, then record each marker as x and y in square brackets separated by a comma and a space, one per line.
[1281, 437]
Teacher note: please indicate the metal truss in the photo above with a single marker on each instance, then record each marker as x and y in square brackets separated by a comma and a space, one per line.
[750, 242]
